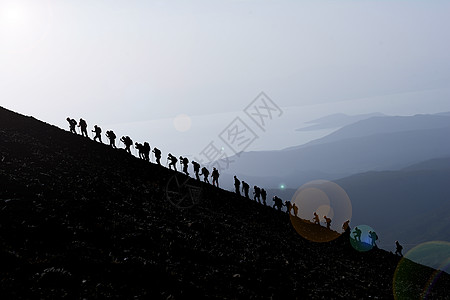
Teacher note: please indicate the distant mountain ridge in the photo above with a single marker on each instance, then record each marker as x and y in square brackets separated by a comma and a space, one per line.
[378, 143]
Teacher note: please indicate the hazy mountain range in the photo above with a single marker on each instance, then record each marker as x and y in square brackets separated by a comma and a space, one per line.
[373, 144]
[396, 171]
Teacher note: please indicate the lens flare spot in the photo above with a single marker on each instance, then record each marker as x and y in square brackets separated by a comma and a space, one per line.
[409, 273]
[323, 198]
[362, 238]
[182, 123]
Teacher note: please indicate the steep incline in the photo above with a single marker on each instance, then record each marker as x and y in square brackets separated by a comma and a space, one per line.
[81, 220]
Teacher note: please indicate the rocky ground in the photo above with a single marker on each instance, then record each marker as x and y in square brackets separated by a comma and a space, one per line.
[81, 220]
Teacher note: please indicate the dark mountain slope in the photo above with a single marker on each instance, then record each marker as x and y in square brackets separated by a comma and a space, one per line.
[80, 220]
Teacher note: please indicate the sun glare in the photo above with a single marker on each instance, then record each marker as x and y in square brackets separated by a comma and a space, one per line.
[23, 24]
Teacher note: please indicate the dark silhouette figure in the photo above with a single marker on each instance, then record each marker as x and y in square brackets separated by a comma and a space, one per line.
[328, 221]
[357, 234]
[112, 138]
[83, 125]
[196, 169]
[288, 207]
[295, 208]
[215, 176]
[157, 155]
[277, 202]
[373, 238]
[205, 174]
[237, 185]
[126, 140]
[146, 151]
[399, 248]
[72, 124]
[316, 219]
[257, 194]
[140, 149]
[98, 133]
[173, 162]
[245, 189]
[185, 163]
[346, 226]
[263, 196]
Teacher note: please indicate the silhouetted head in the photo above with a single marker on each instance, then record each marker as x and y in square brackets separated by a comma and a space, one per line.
[68, 119]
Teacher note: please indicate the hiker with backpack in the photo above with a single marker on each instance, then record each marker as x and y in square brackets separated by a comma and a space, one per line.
[263, 196]
[288, 207]
[237, 185]
[184, 161]
[146, 150]
[277, 202]
[173, 162]
[140, 149]
[399, 248]
[316, 219]
[256, 194]
[126, 140]
[328, 221]
[295, 208]
[205, 174]
[83, 126]
[196, 169]
[157, 155]
[112, 138]
[215, 177]
[245, 189]
[98, 132]
[373, 238]
[72, 124]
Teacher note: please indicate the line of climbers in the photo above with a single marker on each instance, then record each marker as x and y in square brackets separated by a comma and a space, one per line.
[258, 193]
[144, 151]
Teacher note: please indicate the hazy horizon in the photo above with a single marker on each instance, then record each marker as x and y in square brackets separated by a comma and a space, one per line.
[177, 74]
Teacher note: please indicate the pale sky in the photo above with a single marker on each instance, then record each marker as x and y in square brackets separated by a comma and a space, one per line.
[133, 66]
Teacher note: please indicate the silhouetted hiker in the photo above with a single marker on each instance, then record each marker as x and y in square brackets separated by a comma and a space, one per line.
[237, 185]
[257, 193]
[126, 140]
[316, 219]
[72, 124]
[288, 207]
[140, 149]
[245, 189]
[346, 226]
[215, 177]
[112, 138]
[98, 133]
[205, 174]
[357, 234]
[83, 125]
[263, 196]
[157, 155]
[185, 162]
[398, 249]
[277, 202]
[373, 237]
[328, 221]
[146, 151]
[295, 208]
[196, 169]
[173, 162]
